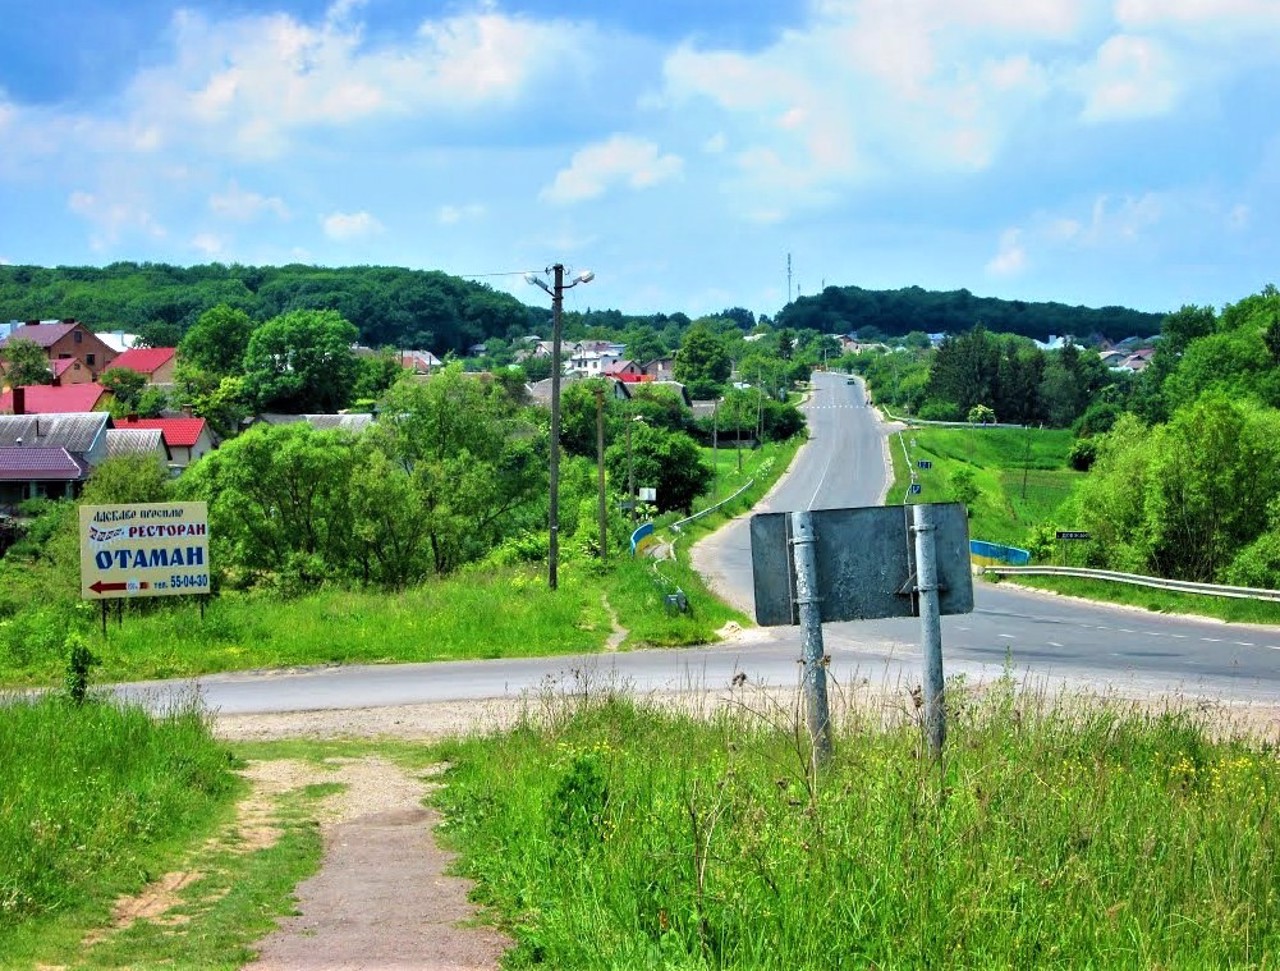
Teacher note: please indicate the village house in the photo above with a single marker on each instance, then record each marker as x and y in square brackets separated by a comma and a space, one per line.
[156, 364]
[187, 439]
[65, 340]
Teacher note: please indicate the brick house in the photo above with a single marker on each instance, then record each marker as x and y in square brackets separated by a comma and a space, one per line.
[66, 340]
[156, 364]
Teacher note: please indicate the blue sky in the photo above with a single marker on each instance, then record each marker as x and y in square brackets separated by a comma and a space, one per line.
[1086, 151]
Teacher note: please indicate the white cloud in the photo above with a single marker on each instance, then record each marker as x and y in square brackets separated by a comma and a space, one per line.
[345, 226]
[1011, 257]
[622, 160]
[1239, 218]
[243, 205]
[1132, 77]
[209, 244]
[452, 215]
[1222, 14]
[716, 144]
[113, 218]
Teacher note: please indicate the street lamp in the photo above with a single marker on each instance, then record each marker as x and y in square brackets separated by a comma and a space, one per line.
[556, 288]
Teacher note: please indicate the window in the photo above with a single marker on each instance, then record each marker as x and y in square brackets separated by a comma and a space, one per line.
[76, 336]
[89, 359]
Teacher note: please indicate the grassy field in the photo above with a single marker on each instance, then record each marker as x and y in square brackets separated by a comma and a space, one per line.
[1021, 475]
[1052, 835]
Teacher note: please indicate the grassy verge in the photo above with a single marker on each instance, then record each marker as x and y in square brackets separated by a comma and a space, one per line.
[1020, 475]
[1078, 835]
[114, 803]
[97, 800]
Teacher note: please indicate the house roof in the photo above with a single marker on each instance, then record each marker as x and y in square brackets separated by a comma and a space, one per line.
[62, 365]
[144, 360]
[178, 432]
[27, 462]
[43, 335]
[47, 399]
[135, 441]
[77, 433]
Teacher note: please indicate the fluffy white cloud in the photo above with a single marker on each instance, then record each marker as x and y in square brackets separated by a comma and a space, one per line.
[346, 226]
[210, 245]
[621, 160]
[244, 206]
[1213, 14]
[1132, 77]
[1011, 257]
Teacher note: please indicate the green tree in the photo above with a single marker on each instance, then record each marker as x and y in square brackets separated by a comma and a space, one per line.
[279, 505]
[25, 363]
[702, 364]
[126, 389]
[217, 342]
[473, 470]
[302, 362]
[670, 462]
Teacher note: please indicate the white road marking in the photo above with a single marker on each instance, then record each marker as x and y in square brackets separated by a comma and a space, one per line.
[1245, 644]
[1212, 640]
[1008, 637]
[1053, 644]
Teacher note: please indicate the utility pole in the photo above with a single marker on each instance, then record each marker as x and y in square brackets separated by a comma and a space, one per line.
[935, 711]
[556, 289]
[553, 517]
[631, 469]
[715, 435]
[788, 278]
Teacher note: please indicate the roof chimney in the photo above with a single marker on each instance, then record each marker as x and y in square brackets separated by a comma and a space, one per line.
[19, 401]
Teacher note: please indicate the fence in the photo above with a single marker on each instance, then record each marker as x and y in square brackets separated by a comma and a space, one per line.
[1179, 586]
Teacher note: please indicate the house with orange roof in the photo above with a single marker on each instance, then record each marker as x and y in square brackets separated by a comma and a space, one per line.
[53, 399]
[186, 438]
[156, 364]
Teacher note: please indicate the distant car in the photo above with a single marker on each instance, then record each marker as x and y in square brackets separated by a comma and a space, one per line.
[850, 380]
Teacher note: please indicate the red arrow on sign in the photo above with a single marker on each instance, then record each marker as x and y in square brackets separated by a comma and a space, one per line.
[99, 587]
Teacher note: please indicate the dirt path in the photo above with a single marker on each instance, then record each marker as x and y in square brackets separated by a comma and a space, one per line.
[382, 898]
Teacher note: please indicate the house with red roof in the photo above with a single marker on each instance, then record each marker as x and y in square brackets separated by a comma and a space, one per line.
[156, 364]
[52, 399]
[186, 438]
[65, 340]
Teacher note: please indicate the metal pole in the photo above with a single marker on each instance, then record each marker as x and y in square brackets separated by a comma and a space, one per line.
[604, 532]
[553, 539]
[935, 711]
[817, 714]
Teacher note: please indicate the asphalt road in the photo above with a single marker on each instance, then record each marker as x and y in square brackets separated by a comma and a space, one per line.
[1049, 640]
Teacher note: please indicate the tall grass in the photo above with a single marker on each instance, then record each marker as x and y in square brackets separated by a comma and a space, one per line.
[1052, 835]
[87, 795]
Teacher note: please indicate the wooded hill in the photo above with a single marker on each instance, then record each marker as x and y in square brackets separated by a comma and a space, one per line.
[427, 309]
[839, 310]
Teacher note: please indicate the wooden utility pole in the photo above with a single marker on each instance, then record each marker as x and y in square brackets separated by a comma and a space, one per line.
[604, 525]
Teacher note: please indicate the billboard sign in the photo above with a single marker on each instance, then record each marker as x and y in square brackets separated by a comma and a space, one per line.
[144, 550]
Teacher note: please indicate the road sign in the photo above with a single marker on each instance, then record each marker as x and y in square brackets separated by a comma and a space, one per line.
[144, 550]
[1072, 534]
[648, 494]
[914, 489]
[865, 563]
[924, 464]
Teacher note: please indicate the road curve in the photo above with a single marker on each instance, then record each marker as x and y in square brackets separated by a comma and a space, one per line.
[1054, 641]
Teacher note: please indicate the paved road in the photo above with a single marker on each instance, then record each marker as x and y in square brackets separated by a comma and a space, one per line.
[1051, 640]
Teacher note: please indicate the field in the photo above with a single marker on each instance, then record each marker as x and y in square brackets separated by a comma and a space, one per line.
[1052, 834]
[1020, 476]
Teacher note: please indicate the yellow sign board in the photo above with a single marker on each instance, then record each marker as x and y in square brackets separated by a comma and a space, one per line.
[144, 550]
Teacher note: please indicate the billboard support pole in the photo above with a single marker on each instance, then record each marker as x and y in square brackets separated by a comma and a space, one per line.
[817, 712]
[935, 713]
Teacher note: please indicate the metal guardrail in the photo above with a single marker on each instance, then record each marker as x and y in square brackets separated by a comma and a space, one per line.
[710, 509]
[1179, 586]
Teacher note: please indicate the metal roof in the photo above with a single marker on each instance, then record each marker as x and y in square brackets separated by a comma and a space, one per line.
[135, 441]
[76, 432]
[25, 464]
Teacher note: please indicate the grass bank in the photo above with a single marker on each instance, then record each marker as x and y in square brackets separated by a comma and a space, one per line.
[1019, 477]
[1052, 835]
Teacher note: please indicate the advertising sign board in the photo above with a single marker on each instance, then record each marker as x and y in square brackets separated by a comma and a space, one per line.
[144, 550]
